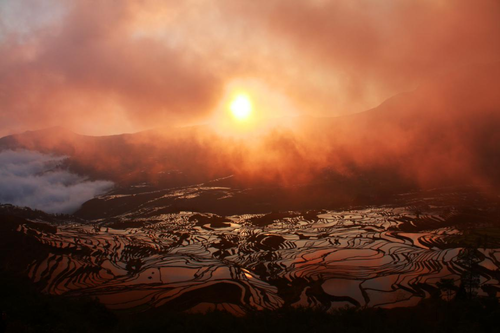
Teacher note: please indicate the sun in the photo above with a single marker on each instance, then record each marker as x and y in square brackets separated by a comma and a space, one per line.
[241, 107]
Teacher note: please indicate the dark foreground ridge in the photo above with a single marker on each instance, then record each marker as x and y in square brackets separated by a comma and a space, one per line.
[25, 309]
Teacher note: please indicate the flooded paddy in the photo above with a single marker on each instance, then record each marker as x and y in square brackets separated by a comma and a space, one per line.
[197, 262]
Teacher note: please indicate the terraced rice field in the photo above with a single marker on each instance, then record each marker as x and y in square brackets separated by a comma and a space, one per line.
[197, 262]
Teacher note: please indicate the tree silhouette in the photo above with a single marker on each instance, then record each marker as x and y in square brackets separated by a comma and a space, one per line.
[448, 286]
[469, 279]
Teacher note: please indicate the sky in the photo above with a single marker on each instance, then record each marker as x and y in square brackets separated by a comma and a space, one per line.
[111, 67]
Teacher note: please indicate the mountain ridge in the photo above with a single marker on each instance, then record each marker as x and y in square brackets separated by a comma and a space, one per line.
[444, 130]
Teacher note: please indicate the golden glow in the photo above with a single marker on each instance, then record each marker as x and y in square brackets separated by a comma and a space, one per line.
[249, 108]
[241, 107]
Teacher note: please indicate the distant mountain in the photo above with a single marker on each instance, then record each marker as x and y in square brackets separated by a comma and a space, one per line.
[445, 132]
[160, 158]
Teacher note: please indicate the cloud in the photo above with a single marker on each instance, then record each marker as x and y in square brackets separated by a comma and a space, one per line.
[39, 181]
[122, 66]
[377, 49]
[442, 133]
[92, 69]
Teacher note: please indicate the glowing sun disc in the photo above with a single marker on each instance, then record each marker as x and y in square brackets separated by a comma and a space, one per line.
[241, 107]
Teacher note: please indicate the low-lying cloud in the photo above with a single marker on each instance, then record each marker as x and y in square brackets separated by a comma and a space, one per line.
[39, 181]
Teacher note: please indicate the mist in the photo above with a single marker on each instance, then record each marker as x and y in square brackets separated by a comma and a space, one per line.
[444, 132]
[40, 181]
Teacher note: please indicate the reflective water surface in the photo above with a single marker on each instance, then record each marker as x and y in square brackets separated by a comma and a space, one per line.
[197, 262]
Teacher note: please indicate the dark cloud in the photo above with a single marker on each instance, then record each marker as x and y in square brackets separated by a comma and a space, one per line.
[36, 180]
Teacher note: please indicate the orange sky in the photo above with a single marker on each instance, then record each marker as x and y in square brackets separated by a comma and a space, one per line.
[122, 66]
